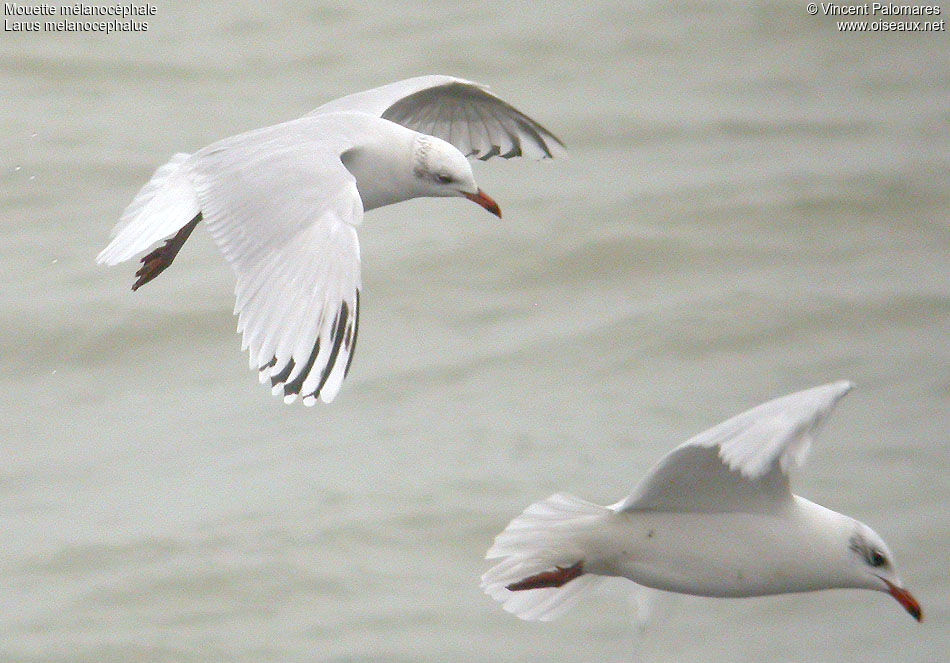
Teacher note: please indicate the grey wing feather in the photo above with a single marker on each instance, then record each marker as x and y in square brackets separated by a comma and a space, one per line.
[461, 112]
[479, 138]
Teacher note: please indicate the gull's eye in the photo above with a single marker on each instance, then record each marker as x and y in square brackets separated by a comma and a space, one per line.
[876, 558]
[872, 556]
[443, 179]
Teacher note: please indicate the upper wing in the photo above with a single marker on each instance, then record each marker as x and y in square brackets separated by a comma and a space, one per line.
[461, 112]
[282, 208]
[742, 464]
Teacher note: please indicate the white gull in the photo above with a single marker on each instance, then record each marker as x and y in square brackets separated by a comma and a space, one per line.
[715, 517]
[283, 203]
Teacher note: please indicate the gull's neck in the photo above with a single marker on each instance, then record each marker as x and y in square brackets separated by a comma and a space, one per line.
[382, 165]
[827, 532]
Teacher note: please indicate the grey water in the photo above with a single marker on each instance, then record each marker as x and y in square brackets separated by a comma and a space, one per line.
[753, 203]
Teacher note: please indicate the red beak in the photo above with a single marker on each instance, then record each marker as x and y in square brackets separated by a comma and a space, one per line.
[485, 201]
[905, 599]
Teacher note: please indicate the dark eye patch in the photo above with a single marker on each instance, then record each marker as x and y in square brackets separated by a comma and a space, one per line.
[871, 555]
[443, 179]
[876, 558]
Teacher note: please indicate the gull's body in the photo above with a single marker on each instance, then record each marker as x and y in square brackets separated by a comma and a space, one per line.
[283, 204]
[662, 550]
[715, 517]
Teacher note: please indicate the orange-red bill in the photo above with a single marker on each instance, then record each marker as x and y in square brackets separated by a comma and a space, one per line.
[905, 599]
[485, 201]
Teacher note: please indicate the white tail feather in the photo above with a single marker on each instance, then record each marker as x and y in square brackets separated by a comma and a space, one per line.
[547, 534]
[160, 209]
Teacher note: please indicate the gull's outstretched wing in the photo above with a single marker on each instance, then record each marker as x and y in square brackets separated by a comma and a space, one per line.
[461, 112]
[741, 464]
[282, 208]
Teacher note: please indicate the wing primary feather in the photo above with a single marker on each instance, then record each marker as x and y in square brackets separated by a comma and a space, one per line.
[475, 145]
[525, 123]
[281, 325]
[437, 119]
[260, 308]
[530, 130]
[270, 364]
[493, 140]
[418, 122]
[337, 340]
[493, 152]
[351, 342]
[285, 371]
[408, 117]
[458, 112]
[293, 387]
[299, 327]
[247, 288]
[531, 127]
[511, 133]
[461, 132]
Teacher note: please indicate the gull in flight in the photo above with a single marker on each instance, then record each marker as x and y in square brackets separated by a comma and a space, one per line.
[283, 203]
[715, 517]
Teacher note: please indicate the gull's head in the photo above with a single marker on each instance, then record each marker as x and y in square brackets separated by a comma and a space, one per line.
[871, 560]
[440, 170]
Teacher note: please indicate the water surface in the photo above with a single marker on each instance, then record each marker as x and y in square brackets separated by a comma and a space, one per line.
[753, 204]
